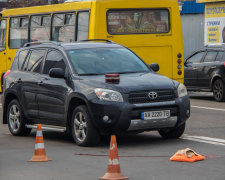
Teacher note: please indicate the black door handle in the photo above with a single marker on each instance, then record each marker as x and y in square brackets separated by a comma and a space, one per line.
[40, 83]
[19, 80]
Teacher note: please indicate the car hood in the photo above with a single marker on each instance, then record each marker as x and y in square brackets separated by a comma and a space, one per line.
[130, 82]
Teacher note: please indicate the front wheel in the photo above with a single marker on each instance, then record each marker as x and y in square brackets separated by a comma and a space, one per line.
[83, 131]
[16, 119]
[172, 133]
[219, 90]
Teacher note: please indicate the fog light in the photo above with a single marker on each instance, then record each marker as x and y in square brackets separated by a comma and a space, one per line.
[188, 112]
[106, 118]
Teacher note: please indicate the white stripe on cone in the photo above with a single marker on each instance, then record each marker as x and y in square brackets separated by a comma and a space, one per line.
[39, 146]
[113, 162]
[39, 133]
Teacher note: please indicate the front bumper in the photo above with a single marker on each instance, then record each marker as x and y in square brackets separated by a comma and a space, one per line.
[124, 116]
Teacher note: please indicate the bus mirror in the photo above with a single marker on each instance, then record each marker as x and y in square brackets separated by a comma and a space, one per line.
[57, 73]
[154, 67]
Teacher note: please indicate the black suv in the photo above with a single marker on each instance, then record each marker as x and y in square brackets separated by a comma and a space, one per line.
[204, 70]
[90, 89]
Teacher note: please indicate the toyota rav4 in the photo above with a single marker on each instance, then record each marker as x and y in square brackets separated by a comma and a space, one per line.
[90, 89]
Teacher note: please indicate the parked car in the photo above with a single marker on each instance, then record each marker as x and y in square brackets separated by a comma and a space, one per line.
[90, 89]
[204, 70]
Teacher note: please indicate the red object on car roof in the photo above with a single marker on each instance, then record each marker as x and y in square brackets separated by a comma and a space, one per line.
[112, 78]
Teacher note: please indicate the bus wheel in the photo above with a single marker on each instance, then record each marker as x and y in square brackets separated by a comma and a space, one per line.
[172, 133]
[2, 81]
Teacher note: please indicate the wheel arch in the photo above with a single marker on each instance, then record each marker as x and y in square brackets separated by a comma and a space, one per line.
[8, 98]
[74, 102]
[217, 76]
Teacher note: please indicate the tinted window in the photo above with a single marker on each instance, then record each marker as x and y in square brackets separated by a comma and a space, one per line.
[40, 28]
[106, 60]
[64, 27]
[14, 65]
[219, 56]
[210, 56]
[22, 57]
[83, 26]
[18, 32]
[2, 34]
[54, 59]
[196, 58]
[35, 60]
[138, 21]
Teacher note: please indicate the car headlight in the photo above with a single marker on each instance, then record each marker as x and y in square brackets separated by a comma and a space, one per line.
[108, 95]
[181, 90]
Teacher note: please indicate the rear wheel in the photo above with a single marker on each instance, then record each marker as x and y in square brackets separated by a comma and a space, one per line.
[172, 133]
[16, 119]
[219, 90]
[83, 131]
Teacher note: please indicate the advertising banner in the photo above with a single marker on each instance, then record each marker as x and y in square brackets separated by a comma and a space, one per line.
[214, 23]
[208, 1]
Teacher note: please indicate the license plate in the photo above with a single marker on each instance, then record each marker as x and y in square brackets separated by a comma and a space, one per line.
[155, 115]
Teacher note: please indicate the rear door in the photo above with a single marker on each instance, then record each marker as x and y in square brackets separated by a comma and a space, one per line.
[29, 78]
[191, 69]
[206, 69]
[52, 91]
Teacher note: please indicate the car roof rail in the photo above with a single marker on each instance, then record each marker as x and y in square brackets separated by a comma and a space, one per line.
[41, 42]
[106, 40]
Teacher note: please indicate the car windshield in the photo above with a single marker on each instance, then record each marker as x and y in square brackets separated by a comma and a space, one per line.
[96, 61]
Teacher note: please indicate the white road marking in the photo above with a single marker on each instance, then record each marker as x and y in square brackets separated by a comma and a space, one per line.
[216, 109]
[203, 139]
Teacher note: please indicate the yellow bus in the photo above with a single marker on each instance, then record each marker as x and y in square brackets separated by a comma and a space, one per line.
[151, 28]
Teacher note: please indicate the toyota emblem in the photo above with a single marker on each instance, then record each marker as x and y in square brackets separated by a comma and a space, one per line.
[152, 95]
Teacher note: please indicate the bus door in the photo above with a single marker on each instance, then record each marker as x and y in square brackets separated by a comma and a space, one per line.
[3, 55]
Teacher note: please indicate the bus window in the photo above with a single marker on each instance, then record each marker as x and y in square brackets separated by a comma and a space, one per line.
[151, 21]
[64, 27]
[22, 58]
[18, 32]
[2, 34]
[40, 28]
[83, 26]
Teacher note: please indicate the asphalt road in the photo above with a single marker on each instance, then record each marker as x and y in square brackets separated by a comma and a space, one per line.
[142, 157]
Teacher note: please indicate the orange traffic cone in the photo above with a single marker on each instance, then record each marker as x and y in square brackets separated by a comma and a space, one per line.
[187, 155]
[39, 152]
[113, 170]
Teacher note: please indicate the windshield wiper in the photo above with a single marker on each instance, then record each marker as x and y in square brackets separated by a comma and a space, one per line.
[89, 74]
[130, 72]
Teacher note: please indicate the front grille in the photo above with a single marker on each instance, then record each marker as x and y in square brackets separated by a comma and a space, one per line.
[137, 97]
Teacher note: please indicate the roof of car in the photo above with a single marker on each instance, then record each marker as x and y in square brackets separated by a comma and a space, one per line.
[74, 45]
[82, 45]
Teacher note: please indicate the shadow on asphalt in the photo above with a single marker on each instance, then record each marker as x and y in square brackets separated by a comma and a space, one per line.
[142, 139]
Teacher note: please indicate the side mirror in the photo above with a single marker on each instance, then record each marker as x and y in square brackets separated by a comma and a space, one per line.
[154, 67]
[57, 73]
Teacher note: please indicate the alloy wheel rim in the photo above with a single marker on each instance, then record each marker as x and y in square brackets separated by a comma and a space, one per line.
[80, 126]
[218, 90]
[14, 118]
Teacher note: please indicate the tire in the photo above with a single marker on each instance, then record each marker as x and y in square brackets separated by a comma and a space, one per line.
[2, 81]
[16, 119]
[172, 133]
[83, 131]
[219, 90]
